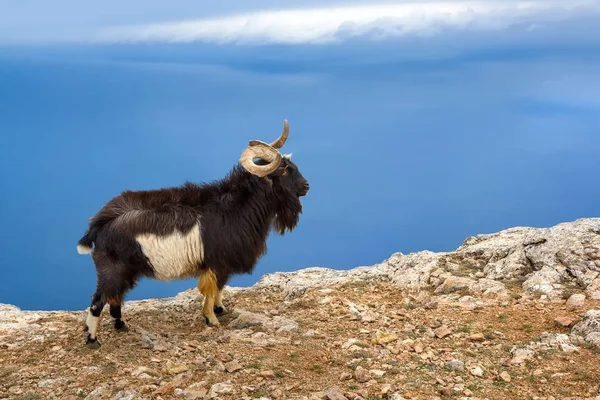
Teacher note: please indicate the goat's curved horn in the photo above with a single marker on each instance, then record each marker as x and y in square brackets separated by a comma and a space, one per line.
[283, 137]
[258, 149]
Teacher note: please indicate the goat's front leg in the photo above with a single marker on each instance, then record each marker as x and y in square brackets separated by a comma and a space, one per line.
[207, 285]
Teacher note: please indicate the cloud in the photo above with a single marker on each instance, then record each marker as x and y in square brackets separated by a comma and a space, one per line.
[325, 25]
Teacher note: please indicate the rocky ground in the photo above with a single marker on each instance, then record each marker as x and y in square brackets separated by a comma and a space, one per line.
[510, 315]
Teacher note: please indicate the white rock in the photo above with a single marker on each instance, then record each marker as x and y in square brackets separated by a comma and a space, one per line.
[576, 301]
[588, 329]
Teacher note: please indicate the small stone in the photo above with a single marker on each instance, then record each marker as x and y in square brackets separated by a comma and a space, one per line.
[505, 376]
[267, 374]
[165, 389]
[345, 376]
[455, 365]
[126, 395]
[442, 332]
[477, 371]
[335, 394]
[459, 388]
[564, 321]
[96, 394]
[386, 389]
[233, 366]
[220, 388]
[383, 338]
[538, 372]
[361, 375]
[477, 337]
[520, 355]
[174, 369]
[576, 301]
[418, 348]
[376, 373]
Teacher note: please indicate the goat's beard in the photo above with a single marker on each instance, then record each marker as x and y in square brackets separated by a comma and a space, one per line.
[287, 210]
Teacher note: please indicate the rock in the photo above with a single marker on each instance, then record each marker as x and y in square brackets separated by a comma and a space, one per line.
[361, 375]
[335, 394]
[521, 355]
[418, 347]
[383, 337]
[267, 374]
[564, 321]
[477, 337]
[386, 389]
[588, 329]
[246, 319]
[220, 388]
[505, 376]
[377, 373]
[576, 301]
[345, 376]
[126, 395]
[477, 371]
[233, 366]
[442, 332]
[96, 394]
[174, 369]
[455, 365]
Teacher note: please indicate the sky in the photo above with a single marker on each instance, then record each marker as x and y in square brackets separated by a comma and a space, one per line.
[417, 123]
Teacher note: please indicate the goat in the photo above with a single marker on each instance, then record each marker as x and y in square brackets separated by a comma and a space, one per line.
[208, 231]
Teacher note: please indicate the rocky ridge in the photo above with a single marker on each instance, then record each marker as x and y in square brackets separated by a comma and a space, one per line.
[513, 314]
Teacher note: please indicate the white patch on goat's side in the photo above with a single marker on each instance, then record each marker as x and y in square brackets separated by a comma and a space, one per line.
[81, 249]
[175, 256]
[92, 323]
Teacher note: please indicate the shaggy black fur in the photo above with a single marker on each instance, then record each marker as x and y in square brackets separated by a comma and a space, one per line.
[235, 214]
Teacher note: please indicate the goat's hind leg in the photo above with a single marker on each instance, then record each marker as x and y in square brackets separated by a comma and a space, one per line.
[115, 313]
[91, 323]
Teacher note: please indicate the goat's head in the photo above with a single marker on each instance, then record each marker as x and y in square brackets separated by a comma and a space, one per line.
[265, 160]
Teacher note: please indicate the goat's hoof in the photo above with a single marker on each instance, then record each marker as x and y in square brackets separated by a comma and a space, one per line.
[121, 326]
[220, 310]
[93, 344]
[211, 324]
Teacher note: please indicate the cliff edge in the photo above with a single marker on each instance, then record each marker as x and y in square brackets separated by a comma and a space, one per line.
[511, 315]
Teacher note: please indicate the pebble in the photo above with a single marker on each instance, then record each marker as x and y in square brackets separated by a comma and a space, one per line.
[505, 376]
[267, 374]
[345, 376]
[377, 373]
[233, 366]
[335, 394]
[220, 388]
[455, 365]
[477, 371]
[174, 369]
[442, 332]
[576, 301]
[477, 337]
[564, 321]
[384, 337]
[361, 375]
[418, 348]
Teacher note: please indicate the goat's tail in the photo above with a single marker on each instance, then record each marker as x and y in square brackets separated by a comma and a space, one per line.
[84, 246]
